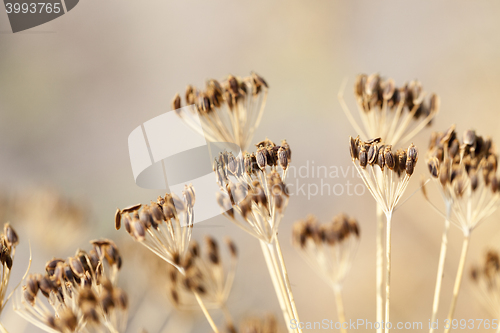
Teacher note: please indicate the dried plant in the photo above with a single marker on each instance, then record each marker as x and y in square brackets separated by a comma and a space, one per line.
[254, 196]
[329, 248]
[396, 115]
[78, 294]
[259, 325]
[8, 242]
[465, 174]
[165, 228]
[61, 221]
[229, 110]
[486, 278]
[386, 175]
[209, 275]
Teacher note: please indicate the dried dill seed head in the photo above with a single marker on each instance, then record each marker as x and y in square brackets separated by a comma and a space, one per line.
[206, 272]
[466, 175]
[255, 196]
[485, 276]
[268, 324]
[229, 110]
[330, 247]
[396, 114]
[52, 220]
[77, 294]
[8, 242]
[385, 172]
[164, 226]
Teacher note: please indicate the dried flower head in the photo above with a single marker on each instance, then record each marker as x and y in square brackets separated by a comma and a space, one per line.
[8, 243]
[253, 187]
[164, 226]
[466, 175]
[78, 294]
[207, 272]
[259, 325]
[52, 220]
[486, 278]
[229, 110]
[385, 173]
[395, 114]
[330, 247]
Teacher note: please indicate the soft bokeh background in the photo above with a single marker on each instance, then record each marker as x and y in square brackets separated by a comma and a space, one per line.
[73, 89]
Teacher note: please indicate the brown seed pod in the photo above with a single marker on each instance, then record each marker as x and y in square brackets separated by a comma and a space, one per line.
[283, 158]
[353, 148]
[261, 157]
[176, 102]
[389, 158]
[433, 166]
[373, 154]
[76, 267]
[363, 157]
[10, 234]
[410, 166]
[381, 158]
[413, 153]
[389, 88]
[469, 137]
[118, 219]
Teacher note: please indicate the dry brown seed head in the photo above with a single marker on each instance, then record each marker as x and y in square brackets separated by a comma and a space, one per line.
[286, 146]
[389, 158]
[176, 102]
[353, 148]
[389, 88]
[413, 153]
[372, 154]
[359, 85]
[169, 211]
[469, 137]
[261, 157]
[138, 230]
[76, 267]
[10, 234]
[118, 219]
[410, 166]
[132, 208]
[363, 156]
[454, 148]
[381, 158]
[28, 296]
[50, 266]
[372, 84]
[433, 166]
[283, 158]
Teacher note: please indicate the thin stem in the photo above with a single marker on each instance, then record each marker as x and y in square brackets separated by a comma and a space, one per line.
[388, 270]
[287, 280]
[277, 287]
[205, 312]
[458, 279]
[340, 307]
[442, 259]
[3, 329]
[380, 265]
[228, 318]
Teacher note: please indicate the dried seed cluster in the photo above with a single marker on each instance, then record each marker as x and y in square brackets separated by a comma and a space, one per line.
[205, 272]
[385, 173]
[229, 110]
[164, 226]
[466, 173]
[396, 114]
[330, 247]
[258, 193]
[8, 243]
[77, 294]
[486, 278]
[258, 325]
[51, 220]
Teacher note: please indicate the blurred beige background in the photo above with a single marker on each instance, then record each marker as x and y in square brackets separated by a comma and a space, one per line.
[73, 89]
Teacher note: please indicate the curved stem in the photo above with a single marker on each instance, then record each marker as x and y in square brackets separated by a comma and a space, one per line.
[3, 329]
[388, 269]
[458, 279]
[440, 272]
[340, 307]
[379, 266]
